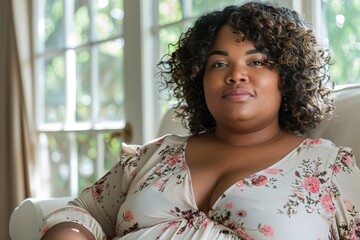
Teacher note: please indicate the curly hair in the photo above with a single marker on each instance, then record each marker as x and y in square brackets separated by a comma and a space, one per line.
[293, 51]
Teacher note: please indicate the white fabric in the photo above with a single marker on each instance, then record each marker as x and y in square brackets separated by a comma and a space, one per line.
[148, 195]
[26, 219]
[344, 128]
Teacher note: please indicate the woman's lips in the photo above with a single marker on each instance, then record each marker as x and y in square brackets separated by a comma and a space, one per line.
[237, 94]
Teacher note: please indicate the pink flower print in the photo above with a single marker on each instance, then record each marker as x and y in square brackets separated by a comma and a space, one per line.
[97, 191]
[315, 141]
[158, 183]
[273, 171]
[229, 205]
[335, 169]
[158, 170]
[133, 174]
[183, 165]
[312, 184]
[240, 183]
[173, 160]
[241, 213]
[356, 230]
[349, 206]
[171, 225]
[128, 216]
[267, 230]
[346, 160]
[243, 234]
[259, 181]
[327, 204]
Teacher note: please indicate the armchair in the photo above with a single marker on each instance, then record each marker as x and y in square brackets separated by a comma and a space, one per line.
[343, 129]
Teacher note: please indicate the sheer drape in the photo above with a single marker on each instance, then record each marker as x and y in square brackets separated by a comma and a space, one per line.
[16, 125]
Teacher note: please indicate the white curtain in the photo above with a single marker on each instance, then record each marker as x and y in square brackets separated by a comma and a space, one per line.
[16, 111]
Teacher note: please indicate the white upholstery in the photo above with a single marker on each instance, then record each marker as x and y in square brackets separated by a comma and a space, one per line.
[171, 124]
[26, 219]
[344, 130]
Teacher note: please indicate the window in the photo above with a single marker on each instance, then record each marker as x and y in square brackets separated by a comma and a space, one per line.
[88, 58]
[80, 91]
[341, 19]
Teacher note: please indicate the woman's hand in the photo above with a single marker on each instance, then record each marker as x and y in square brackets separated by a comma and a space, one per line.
[68, 230]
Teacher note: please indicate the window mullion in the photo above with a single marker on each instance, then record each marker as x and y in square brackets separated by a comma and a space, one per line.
[101, 156]
[93, 68]
[70, 76]
[94, 74]
[70, 63]
[74, 165]
[187, 12]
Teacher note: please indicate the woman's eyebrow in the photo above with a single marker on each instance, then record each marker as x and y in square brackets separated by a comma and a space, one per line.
[254, 51]
[248, 52]
[218, 52]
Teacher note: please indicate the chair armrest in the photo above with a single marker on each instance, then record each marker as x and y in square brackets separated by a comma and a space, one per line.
[26, 219]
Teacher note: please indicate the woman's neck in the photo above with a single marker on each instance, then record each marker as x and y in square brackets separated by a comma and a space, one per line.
[247, 139]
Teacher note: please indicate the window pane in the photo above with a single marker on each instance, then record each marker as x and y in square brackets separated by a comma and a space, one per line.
[81, 21]
[111, 149]
[343, 19]
[108, 18]
[55, 164]
[169, 11]
[111, 86]
[52, 27]
[97, 155]
[54, 99]
[83, 88]
[87, 156]
[169, 35]
[203, 6]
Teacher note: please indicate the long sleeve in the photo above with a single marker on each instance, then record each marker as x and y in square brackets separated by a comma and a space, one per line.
[96, 208]
[346, 196]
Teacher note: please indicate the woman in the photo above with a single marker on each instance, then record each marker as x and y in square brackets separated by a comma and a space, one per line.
[250, 81]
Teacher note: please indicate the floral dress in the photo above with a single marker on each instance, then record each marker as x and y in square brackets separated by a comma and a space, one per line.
[312, 193]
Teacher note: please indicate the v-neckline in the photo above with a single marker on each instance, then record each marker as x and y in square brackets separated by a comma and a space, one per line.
[218, 199]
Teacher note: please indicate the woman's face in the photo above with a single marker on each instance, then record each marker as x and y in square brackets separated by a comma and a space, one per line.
[239, 86]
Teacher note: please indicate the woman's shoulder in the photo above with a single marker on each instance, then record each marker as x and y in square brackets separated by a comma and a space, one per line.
[327, 147]
[325, 144]
[152, 145]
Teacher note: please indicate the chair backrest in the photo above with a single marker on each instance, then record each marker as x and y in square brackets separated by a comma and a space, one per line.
[343, 129]
[171, 124]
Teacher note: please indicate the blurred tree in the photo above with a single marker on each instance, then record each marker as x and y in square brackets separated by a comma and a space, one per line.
[342, 18]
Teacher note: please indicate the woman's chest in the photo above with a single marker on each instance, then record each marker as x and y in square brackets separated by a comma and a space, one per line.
[256, 205]
[213, 171]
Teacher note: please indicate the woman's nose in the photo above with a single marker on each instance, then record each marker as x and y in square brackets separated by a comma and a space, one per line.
[237, 75]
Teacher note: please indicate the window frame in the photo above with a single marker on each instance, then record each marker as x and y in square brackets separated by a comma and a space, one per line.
[40, 186]
[141, 51]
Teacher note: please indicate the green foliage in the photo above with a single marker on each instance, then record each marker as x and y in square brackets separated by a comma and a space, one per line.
[342, 17]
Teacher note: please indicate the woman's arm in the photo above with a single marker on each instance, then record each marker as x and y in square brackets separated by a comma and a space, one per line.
[346, 197]
[68, 230]
[96, 208]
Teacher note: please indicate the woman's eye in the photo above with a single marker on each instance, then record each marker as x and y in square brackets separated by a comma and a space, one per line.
[219, 65]
[257, 63]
